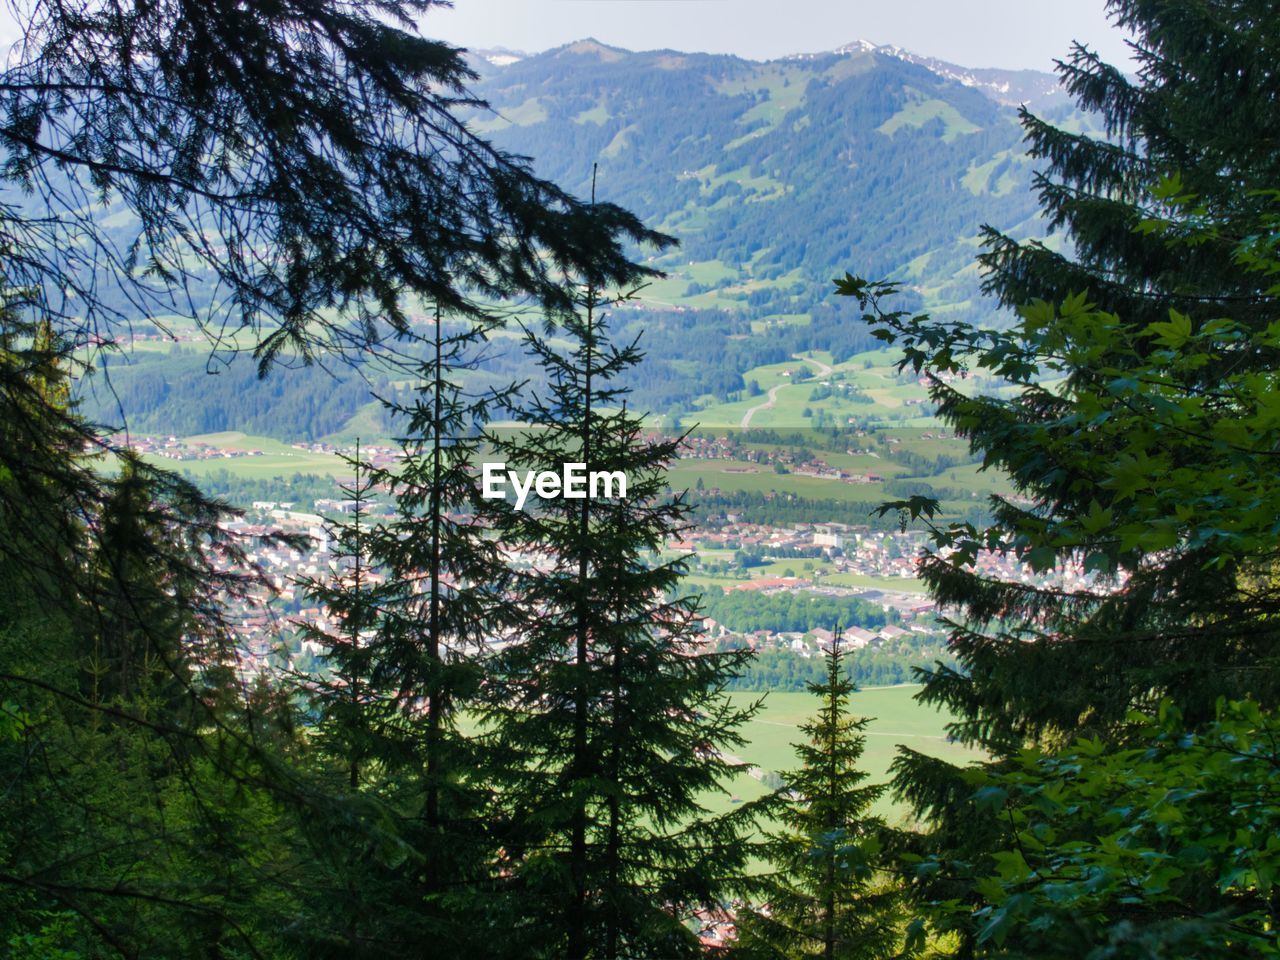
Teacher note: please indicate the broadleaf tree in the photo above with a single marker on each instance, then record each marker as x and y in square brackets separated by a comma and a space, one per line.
[1165, 847]
[1135, 422]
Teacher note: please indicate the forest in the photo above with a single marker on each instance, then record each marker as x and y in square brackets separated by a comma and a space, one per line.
[737, 160]
[168, 391]
[519, 741]
[893, 663]
[785, 613]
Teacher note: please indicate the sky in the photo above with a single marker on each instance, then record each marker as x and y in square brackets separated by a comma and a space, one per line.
[1014, 34]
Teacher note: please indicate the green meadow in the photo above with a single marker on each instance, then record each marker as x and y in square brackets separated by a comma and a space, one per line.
[898, 720]
[277, 459]
[732, 476]
[897, 398]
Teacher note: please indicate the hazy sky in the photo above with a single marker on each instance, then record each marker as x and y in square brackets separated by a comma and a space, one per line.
[973, 33]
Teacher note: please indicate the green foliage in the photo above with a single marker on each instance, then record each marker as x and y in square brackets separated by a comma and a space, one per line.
[1166, 848]
[417, 598]
[609, 716]
[288, 180]
[1136, 425]
[823, 897]
[895, 662]
[746, 610]
[1181, 456]
[300, 489]
[1146, 461]
[1139, 421]
[184, 395]
[132, 791]
[748, 171]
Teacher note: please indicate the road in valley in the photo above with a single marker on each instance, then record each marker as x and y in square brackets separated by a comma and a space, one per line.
[823, 370]
[773, 398]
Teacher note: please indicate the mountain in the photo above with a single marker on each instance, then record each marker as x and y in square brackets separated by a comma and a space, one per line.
[776, 175]
[1010, 87]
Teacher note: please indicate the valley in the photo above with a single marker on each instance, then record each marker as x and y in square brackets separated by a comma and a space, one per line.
[784, 511]
[608, 503]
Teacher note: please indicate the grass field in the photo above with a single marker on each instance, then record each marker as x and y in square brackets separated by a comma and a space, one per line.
[887, 584]
[898, 721]
[874, 373]
[783, 85]
[734, 475]
[921, 111]
[278, 459]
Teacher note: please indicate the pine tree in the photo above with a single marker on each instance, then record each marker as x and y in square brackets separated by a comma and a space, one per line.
[124, 736]
[307, 162]
[439, 552]
[137, 631]
[344, 721]
[823, 897]
[308, 165]
[1198, 108]
[609, 711]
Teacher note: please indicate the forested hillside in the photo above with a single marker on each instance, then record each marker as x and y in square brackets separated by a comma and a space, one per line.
[181, 392]
[775, 174]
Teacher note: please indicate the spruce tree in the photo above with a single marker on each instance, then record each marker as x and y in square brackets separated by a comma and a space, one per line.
[345, 722]
[1136, 432]
[136, 630]
[124, 737]
[822, 897]
[293, 179]
[308, 162]
[1155, 213]
[606, 705]
[419, 597]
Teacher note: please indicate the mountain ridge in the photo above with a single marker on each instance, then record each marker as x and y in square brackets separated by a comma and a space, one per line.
[1005, 85]
[775, 176]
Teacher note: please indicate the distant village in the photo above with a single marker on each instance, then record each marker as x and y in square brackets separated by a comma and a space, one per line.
[186, 449]
[268, 629]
